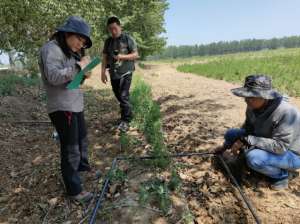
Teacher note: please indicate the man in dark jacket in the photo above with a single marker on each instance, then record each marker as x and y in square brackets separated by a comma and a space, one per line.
[118, 57]
[270, 134]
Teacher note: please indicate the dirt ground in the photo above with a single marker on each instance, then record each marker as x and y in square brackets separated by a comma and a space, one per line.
[31, 189]
[196, 112]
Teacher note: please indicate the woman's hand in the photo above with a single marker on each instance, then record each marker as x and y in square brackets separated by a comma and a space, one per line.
[88, 74]
[84, 62]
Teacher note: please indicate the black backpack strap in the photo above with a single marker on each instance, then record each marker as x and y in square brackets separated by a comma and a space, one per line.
[127, 41]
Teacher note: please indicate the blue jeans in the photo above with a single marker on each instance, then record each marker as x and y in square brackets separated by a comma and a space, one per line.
[270, 164]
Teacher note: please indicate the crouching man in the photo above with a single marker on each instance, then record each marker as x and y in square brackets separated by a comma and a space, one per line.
[270, 136]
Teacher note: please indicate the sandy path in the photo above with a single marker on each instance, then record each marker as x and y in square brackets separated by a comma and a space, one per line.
[194, 104]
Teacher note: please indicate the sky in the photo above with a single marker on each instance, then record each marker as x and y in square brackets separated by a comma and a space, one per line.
[189, 22]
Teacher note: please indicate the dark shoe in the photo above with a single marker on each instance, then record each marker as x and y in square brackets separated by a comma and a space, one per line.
[83, 197]
[281, 184]
[123, 126]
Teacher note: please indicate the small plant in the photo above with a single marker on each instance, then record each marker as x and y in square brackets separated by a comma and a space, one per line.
[175, 181]
[118, 175]
[124, 140]
[155, 191]
[135, 141]
[128, 141]
[188, 218]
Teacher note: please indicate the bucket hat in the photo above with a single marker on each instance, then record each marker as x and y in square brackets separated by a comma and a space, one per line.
[257, 86]
[75, 24]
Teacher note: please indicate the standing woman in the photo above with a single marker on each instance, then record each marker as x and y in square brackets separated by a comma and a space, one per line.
[60, 60]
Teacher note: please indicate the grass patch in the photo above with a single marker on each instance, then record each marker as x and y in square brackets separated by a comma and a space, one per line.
[282, 65]
[9, 83]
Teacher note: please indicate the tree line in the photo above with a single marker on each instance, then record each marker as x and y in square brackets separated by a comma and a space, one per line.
[27, 24]
[227, 47]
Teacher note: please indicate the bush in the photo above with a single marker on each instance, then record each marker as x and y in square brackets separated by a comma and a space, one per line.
[9, 83]
[147, 118]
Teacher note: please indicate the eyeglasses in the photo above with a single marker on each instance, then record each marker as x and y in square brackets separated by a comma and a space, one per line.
[82, 40]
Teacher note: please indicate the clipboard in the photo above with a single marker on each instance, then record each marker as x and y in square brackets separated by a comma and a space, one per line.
[75, 83]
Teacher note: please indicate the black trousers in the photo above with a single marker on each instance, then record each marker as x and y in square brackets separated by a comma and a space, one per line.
[71, 129]
[121, 89]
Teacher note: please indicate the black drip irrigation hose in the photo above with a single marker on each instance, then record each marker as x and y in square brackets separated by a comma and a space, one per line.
[244, 197]
[103, 192]
[31, 122]
[168, 156]
[219, 156]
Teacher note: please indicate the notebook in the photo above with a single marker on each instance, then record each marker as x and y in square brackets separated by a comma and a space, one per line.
[75, 83]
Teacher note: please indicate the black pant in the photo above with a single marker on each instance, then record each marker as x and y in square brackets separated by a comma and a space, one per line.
[121, 90]
[71, 129]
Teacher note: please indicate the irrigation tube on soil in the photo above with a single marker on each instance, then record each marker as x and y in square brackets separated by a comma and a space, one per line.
[220, 157]
[103, 191]
[172, 156]
[244, 197]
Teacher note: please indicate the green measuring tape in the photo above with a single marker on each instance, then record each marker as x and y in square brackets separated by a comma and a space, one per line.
[80, 75]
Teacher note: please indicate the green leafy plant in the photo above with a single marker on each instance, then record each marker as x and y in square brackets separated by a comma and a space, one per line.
[117, 175]
[188, 218]
[124, 140]
[175, 181]
[155, 191]
[127, 141]
[9, 83]
[147, 118]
